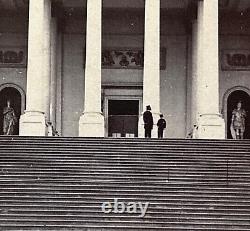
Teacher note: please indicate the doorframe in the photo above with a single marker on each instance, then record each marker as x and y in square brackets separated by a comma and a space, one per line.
[118, 97]
[20, 90]
[225, 99]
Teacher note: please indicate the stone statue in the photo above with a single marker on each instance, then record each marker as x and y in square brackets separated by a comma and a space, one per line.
[124, 62]
[9, 119]
[238, 122]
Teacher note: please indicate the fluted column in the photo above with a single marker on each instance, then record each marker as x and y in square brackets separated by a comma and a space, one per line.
[209, 121]
[151, 72]
[91, 122]
[33, 122]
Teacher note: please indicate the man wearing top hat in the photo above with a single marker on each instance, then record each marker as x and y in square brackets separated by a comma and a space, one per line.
[148, 121]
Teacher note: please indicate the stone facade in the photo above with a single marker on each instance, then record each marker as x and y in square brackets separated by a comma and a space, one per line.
[68, 79]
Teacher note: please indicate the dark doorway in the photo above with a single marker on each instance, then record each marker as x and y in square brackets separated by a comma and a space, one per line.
[232, 101]
[16, 101]
[123, 117]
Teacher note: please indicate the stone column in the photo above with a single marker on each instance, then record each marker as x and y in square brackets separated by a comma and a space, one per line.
[47, 57]
[59, 73]
[91, 123]
[194, 75]
[151, 73]
[33, 122]
[53, 87]
[209, 121]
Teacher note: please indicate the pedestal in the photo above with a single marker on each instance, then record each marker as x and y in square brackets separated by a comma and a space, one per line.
[33, 124]
[91, 125]
[210, 127]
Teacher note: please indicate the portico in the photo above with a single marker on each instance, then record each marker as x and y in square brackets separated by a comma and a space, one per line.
[84, 54]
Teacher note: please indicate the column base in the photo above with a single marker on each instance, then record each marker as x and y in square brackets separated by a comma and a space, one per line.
[210, 126]
[33, 124]
[141, 130]
[91, 125]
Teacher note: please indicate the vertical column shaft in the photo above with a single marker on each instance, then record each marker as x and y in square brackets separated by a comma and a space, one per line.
[151, 74]
[93, 57]
[91, 123]
[208, 57]
[53, 87]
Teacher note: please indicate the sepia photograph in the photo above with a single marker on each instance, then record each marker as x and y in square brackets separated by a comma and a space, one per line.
[124, 115]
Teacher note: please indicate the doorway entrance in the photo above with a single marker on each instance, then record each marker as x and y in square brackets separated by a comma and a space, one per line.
[123, 118]
[232, 100]
[12, 94]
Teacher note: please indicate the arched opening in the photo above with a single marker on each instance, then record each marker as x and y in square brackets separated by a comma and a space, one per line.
[15, 97]
[232, 100]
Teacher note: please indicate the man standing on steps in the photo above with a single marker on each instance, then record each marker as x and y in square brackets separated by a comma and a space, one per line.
[148, 121]
[161, 124]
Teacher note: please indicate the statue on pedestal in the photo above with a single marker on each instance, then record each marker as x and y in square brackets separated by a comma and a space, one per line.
[9, 119]
[238, 122]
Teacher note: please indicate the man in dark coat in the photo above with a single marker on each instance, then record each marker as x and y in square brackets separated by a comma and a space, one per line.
[148, 122]
[161, 126]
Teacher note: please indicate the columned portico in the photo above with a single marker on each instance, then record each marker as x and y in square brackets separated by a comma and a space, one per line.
[151, 73]
[209, 121]
[43, 54]
[91, 122]
[33, 122]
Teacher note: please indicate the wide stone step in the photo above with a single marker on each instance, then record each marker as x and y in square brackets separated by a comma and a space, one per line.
[60, 199]
[29, 211]
[124, 145]
[159, 181]
[126, 141]
[125, 225]
[95, 205]
[116, 172]
[164, 174]
[171, 187]
[82, 193]
[116, 178]
[153, 218]
[120, 228]
[141, 162]
[143, 152]
[128, 169]
[127, 157]
[168, 189]
[138, 180]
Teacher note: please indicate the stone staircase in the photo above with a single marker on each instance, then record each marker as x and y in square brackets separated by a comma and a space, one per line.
[61, 184]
